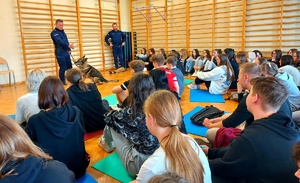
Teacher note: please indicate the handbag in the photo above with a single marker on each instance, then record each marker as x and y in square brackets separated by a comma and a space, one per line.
[209, 112]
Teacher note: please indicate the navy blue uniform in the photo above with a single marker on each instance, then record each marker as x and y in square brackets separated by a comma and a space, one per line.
[61, 43]
[117, 38]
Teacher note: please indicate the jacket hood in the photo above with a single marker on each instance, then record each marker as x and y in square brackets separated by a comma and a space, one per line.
[284, 76]
[91, 95]
[281, 124]
[59, 121]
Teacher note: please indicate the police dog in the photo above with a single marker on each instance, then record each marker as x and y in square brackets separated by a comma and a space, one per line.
[90, 71]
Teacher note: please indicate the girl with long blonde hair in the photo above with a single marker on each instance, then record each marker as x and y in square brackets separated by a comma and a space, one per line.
[178, 153]
[22, 161]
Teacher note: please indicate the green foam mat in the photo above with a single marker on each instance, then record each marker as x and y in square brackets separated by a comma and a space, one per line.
[112, 99]
[113, 167]
[187, 81]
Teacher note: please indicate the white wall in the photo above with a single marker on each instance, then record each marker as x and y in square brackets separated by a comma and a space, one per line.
[125, 15]
[10, 41]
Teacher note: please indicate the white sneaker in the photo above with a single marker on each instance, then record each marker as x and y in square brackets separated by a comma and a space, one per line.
[195, 74]
[107, 147]
[192, 86]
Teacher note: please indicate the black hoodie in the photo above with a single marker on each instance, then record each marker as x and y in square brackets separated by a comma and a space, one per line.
[261, 153]
[37, 170]
[59, 132]
[90, 104]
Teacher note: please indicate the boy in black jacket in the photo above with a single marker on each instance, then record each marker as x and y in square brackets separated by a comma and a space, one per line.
[262, 152]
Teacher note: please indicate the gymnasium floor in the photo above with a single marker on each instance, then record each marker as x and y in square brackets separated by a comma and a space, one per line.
[9, 96]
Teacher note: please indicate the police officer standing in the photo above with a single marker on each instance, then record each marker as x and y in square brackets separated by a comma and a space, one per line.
[117, 42]
[62, 49]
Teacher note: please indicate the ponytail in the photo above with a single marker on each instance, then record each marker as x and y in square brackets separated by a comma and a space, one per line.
[82, 85]
[74, 76]
[229, 70]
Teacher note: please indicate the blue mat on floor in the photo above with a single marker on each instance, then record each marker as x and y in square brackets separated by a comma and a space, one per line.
[205, 96]
[86, 178]
[192, 128]
[112, 99]
[12, 116]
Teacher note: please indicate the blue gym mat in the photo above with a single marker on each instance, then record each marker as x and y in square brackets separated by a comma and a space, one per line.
[205, 96]
[192, 128]
[112, 99]
[86, 178]
[12, 116]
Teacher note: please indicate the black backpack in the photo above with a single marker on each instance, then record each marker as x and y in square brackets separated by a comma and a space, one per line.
[209, 112]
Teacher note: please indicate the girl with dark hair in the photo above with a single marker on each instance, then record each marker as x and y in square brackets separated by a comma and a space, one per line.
[190, 62]
[217, 80]
[163, 52]
[276, 56]
[296, 58]
[287, 64]
[292, 51]
[142, 55]
[58, 128]
[148, 63]
[208, 65]
[22, 161]
[258, 53]
[231, 56]
[126, 129]
[88, 99]
[178, 153]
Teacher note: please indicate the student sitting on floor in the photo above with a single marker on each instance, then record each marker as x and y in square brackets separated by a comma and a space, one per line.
[148, 62]
[247, 72]
[231, 57]
[217, 80]
[22, 161]
[59, 128]
[270, 69]
[27, 105]
[190, 62]
[171, 65]
[287, 64]
[88, 99]
[136, 66]
[241, 57]
[143, 55]
[276, 56]
[178, 153]
[158, 62]
[262, 153]
[126, 129]
[208, 65]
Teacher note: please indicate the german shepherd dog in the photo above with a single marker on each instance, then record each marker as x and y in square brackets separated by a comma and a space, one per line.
[90, 71]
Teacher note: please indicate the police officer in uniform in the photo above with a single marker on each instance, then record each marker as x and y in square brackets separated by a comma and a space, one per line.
[117, 42]
[62, 49]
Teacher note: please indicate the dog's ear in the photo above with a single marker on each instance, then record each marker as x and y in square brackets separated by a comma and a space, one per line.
[85, 59]
[83, 56]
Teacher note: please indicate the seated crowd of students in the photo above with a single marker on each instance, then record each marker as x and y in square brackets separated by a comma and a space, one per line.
[148, 131]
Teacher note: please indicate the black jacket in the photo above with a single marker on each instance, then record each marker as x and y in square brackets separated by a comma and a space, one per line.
[59, 132]
[37, 170]
[90, 104]
[261, 153]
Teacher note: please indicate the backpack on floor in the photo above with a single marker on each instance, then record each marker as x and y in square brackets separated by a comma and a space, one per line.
[209, 112]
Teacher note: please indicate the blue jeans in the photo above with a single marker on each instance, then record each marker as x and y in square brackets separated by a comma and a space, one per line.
[118, 55]
[64, 63]
[189, 65]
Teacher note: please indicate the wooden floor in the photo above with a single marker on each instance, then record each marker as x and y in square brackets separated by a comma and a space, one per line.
[9, 96]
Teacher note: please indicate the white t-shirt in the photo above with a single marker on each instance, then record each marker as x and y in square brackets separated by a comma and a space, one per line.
[27, 105]
[155, 164]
